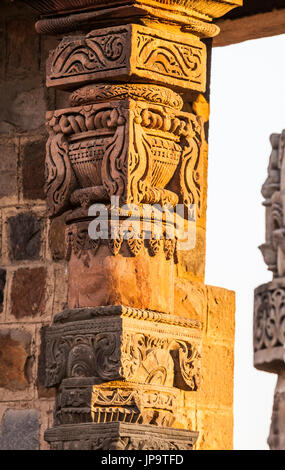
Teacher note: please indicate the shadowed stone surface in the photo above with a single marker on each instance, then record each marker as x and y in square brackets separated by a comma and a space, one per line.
[33, 169]
[20, 430]
[25, 237]
[2, 287]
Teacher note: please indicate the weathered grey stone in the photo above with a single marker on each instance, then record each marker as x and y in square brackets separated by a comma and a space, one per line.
[25, 237]
[20, 430]
[119, 436]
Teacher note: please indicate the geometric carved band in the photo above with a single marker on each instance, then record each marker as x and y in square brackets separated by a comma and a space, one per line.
[129, 51]
[269, 326]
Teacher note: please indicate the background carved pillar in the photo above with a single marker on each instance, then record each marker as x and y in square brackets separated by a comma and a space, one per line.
[269, 332]
[125, 356]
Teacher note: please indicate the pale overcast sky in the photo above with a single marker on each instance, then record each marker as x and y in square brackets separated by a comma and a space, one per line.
[247, 105]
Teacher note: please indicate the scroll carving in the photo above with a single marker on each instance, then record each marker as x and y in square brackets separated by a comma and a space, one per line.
[191, 171]
[82, 55]
[59, 175]
[137, 50]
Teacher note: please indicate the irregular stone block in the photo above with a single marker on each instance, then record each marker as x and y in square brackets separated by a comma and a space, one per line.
[15, 358]
[119, 436]
[33, 155]
[215, 429]
[121, 279]
[221, 314]
[21, 60]
[217, 376]
[20, 430]
[8, 168]
[191, 263]
[131, 50]
[28, 108]
[24, 236]
[190, 299]
[28, 294]
[2, 287]
[57, 238]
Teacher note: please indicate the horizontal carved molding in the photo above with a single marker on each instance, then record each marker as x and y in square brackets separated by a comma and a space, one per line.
[80, 402]
[119, 436]
[77, 314]
[129, 51]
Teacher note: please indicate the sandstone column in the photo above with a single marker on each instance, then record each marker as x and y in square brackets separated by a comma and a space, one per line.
[123, 356]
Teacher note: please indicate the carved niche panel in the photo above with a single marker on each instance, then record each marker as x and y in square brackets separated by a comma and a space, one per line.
[131, 50]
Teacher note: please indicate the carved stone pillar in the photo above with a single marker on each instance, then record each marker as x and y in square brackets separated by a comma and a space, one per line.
[120, 353]
[269, 330]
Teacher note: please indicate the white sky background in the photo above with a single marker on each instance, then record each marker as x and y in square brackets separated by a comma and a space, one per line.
[247, 105]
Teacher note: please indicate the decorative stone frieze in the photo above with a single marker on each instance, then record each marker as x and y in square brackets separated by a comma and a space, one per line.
[132, 50]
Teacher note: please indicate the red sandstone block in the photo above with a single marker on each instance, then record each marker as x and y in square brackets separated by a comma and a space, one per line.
[29, 292]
